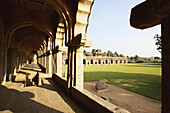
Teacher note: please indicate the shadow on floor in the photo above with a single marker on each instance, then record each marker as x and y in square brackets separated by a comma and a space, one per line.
[53, 86]
[21, 102]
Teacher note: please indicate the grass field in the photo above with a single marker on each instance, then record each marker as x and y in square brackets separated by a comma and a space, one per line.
[143, 79]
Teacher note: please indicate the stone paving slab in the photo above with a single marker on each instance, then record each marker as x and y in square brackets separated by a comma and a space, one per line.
[32, 99]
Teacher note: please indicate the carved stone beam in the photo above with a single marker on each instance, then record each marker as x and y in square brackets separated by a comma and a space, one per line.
[149, 13]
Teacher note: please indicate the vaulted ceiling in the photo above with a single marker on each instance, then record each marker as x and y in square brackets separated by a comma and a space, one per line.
[30, 23]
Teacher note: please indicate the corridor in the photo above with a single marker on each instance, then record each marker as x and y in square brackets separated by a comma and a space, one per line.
[48, 98]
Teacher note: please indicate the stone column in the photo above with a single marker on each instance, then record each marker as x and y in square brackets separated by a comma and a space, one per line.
[20, 59]
[59, 63]
[49, 58]
[55, 63]
[69, 69]
[44, 59]
[12, 61]
[3, 65]
[166, 65]
[78, 69]
[49, 63]
[35, 59]
[59, 43]
[27, 61]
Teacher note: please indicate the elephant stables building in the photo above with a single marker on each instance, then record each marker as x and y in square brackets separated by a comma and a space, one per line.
[31, 46]
[97, 57]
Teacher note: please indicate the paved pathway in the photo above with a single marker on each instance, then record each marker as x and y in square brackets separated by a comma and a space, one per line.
[49, 98]
[130, 101]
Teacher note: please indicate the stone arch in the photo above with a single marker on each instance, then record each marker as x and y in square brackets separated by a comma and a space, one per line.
[63, 11]
[106, 61]
[83, 10]
[84, 61]
[99, 61]
[42, 42]
[116, 62]
[25, 24]
[111, 61]
[124, 61]
[91, 61]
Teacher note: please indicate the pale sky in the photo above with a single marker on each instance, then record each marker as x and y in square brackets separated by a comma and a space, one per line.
[109, 28]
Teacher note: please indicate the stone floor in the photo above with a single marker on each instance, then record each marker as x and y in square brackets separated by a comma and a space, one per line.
[49, 98]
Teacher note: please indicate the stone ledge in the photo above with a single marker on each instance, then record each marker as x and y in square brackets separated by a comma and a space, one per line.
[89, 100]
[98, 91]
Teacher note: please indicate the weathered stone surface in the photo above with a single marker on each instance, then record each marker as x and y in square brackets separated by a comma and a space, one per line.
[120, 110]
[101, 85]
[149, 13]
[105, 98]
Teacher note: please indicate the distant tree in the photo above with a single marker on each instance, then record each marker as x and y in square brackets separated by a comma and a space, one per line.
[85, 52]
[116, 53]
[109, 53]
[136, 57]
[113, 55]
[158, 43]
[127, 57]
[156, 58]
[121, 55]
[104, 54]
[149, 59]
[131, 58]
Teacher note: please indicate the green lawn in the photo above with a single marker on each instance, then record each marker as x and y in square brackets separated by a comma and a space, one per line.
[143, 79]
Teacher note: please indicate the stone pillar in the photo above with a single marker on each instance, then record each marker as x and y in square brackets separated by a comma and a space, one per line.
[44, 59]
[49, 58]
[35, 59]
[78, 70]
[166, 65]
[27, 61]
[75, 61]
[3, 65]
[20, 59]
[55, 63]
[49, 63]
[12, 60]
[59, 63]
[41, 57]
[59, 42]
[69, 69]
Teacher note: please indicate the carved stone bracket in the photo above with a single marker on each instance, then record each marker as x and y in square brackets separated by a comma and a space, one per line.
[81, 40]
[59, 48]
